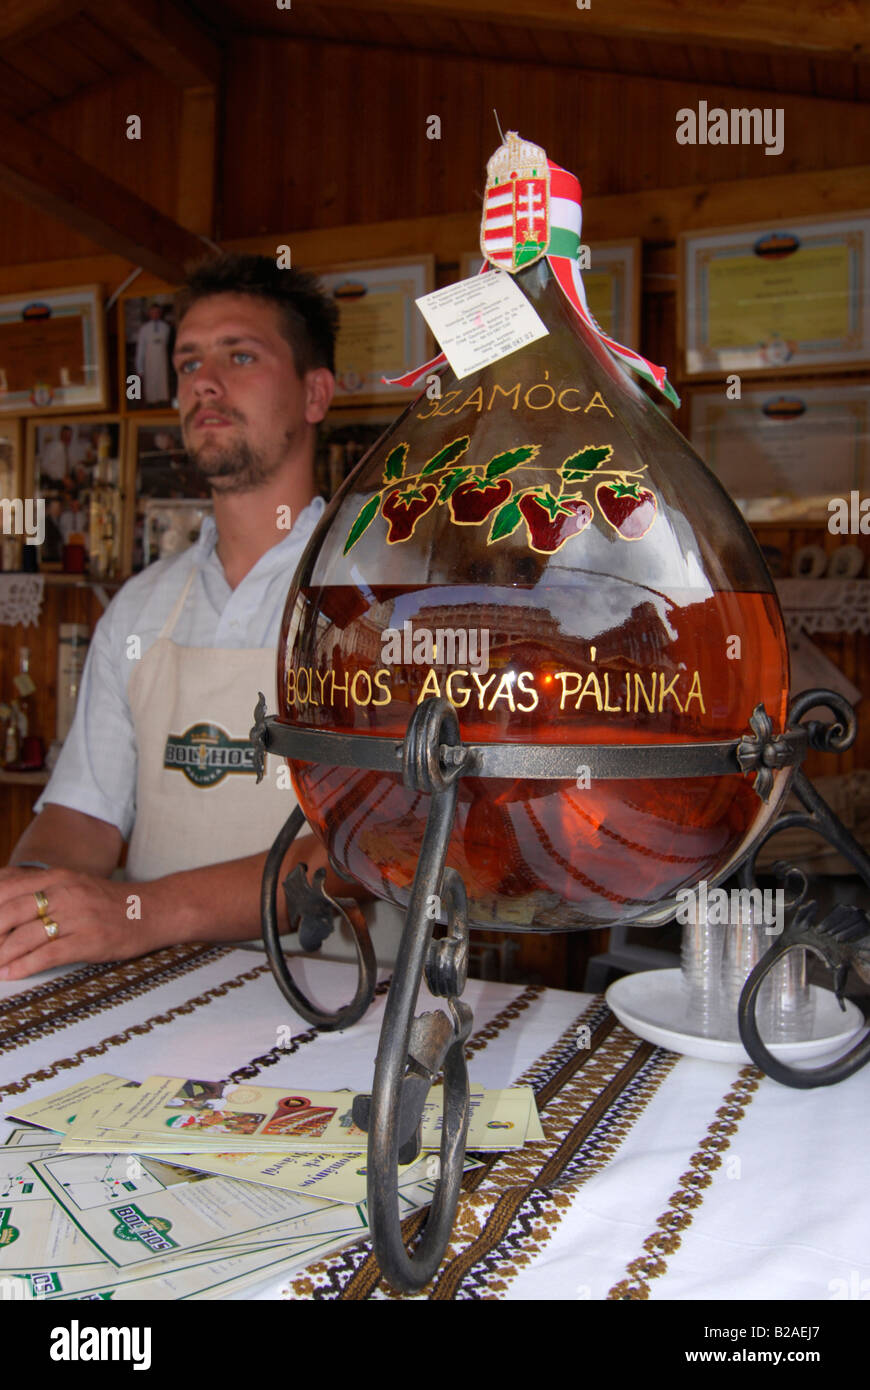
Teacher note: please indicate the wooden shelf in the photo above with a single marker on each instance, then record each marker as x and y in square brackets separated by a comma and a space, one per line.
[84, 581]
[24, 779]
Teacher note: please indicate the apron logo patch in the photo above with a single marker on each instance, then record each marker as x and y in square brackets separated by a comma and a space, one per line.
[205, 753]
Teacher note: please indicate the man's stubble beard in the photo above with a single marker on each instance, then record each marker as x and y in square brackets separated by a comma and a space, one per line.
[236, 466]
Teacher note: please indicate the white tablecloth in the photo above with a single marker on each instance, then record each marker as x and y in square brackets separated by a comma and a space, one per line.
[663, 1177]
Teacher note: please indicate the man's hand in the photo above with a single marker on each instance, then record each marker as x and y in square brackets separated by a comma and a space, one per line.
[91, 914]
[220, 902]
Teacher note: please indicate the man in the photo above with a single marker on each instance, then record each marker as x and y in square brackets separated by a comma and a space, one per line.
[177, 659]
[152, 356]
[59, 457]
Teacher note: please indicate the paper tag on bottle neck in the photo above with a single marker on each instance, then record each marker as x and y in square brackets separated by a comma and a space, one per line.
[481, 320]
[23, 684]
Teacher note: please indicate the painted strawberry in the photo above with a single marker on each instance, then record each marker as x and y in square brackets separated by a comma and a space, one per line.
[551, 521]
[629, 508]
[403, 508]
[473, 501]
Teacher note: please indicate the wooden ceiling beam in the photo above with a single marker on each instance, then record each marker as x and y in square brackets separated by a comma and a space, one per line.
[656, 215]
[824, 27]
[21, 20]
[166, 35]
[37, 170]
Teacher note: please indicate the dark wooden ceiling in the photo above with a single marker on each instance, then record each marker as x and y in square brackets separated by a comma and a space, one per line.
[41, 69]
[368, 24]
[52, 49]
[63, 64]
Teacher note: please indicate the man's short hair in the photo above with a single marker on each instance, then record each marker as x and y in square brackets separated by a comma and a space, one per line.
[308, 316]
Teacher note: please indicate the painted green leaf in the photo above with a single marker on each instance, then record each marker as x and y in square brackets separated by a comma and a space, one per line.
[451, 482]
[395, 464]
[580, 466]
[511, 458]
[363, 521]
[625, 489]
[505, 521]
[449, 454]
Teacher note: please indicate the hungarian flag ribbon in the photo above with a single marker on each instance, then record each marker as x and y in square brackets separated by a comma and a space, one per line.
[563, 255]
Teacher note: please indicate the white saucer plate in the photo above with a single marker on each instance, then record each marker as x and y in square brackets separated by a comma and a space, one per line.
[652, 1005]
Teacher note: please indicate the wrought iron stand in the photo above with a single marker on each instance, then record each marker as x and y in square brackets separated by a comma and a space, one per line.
[414, 1050]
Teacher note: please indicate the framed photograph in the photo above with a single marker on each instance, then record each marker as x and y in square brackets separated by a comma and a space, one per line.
[53, 351]
[76, 465]
[170, 527]
[146, 331]
[784, 450]
[612, 283]
[343, 439]
[159, 469]
[381, 331]
[787, 298]
[11, 471]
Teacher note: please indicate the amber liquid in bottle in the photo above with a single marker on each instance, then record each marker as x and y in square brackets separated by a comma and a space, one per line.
[534, 853]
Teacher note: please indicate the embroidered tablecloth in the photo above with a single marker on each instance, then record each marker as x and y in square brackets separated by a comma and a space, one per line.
[662, 1177]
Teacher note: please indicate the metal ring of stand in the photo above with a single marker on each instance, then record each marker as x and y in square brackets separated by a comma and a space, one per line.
[841, 937]
[831, 1072]
[317, 902]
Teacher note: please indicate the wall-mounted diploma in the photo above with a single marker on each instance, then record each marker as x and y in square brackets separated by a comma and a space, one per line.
[380, 333]
[791, 297]
[784, 451]
[52, 351]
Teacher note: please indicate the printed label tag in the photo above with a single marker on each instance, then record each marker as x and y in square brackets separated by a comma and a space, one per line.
[481, 320]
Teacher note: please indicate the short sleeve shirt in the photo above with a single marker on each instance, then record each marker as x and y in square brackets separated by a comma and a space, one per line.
[96, 770]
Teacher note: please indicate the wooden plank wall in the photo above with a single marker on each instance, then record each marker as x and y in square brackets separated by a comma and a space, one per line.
[321, 135]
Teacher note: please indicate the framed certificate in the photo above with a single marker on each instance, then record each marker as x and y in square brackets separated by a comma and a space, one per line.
[783, 451]
[787, 298]
[612, 283]
[381, 331]
[52, 351]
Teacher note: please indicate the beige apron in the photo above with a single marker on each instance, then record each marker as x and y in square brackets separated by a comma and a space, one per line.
[197, 799]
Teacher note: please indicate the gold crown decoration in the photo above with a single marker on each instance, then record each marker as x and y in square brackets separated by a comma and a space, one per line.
[516, 158]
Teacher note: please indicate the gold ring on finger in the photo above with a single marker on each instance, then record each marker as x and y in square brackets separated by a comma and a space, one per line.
[41, 903]
[51, 928]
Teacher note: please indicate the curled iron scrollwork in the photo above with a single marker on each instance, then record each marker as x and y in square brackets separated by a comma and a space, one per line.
[259, 737]
[414, 1050]
[827, 737]
[842, 940]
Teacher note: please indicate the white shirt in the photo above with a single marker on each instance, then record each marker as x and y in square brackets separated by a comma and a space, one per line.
[58, 459]
[96, 770]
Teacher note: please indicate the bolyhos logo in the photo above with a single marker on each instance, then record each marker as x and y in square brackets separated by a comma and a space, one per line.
[206, 753]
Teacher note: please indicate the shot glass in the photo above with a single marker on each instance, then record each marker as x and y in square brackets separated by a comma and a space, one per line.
[701, 967]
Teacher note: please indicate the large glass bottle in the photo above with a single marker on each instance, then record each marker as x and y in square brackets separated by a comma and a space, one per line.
[546, 510]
